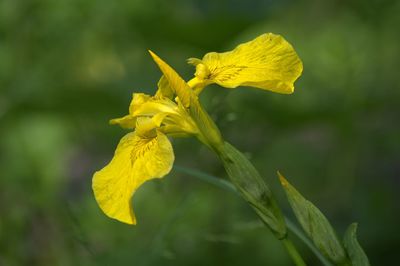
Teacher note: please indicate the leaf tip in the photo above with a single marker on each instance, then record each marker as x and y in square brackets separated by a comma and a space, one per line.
[282, 179]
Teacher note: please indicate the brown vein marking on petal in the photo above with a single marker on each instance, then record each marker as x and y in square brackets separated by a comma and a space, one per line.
[142, 146]
[226, 76]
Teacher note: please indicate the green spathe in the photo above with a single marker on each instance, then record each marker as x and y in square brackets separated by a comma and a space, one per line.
[315, 224]
[253, 188]
[354, 250]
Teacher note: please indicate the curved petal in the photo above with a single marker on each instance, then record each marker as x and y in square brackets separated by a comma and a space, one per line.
[176, 83]
[136, 160]
[127, 121]
[155, 106]
[268, 62]
[137, 100]
[164, 89]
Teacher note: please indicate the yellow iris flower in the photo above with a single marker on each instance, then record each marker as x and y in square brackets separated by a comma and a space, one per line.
[267, 62]
[143, 154]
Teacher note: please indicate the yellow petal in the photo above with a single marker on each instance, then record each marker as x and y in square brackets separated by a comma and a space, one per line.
[127, 121]
[177, 84]
[159, 118]
[268, 62]
[136, 160]
[137, 100]
[155, 106]
[164, 89]
[146, 128]
[158, 113]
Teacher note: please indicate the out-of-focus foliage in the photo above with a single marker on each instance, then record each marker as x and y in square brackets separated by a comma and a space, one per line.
[67, 67]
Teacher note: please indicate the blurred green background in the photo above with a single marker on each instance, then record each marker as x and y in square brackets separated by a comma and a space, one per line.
[68, 66]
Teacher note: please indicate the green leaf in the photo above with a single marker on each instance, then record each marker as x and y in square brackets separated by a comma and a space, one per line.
[315, 224]
[252, 187]
[226, 185]
[217, 181]
[353, 248]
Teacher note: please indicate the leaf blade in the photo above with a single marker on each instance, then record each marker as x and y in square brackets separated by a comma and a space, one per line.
[353, 248]
[315, 224]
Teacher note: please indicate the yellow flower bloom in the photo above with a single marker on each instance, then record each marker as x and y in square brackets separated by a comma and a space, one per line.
[268, 62]
[143, 154]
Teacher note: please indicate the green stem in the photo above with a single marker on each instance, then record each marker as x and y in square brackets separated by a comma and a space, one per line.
[294, 254]
[300, 235]
[252, 187]
[226, 185]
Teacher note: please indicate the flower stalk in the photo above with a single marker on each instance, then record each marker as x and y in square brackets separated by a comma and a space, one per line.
[268, 62]
[294, 254]
[253, 188]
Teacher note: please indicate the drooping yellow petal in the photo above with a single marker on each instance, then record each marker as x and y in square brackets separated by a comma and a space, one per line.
[268, 62]
[136, 160]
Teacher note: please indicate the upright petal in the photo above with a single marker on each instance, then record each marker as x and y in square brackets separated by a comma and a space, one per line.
[136, 160]
[164, 89]
[129, 121]
[177, 84]
[268, 62]
[137, 100]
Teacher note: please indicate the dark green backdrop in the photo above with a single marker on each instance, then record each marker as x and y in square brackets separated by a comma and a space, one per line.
[68, 66]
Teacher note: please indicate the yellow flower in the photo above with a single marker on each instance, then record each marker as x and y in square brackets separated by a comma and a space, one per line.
[268, 62]
[143, 154]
